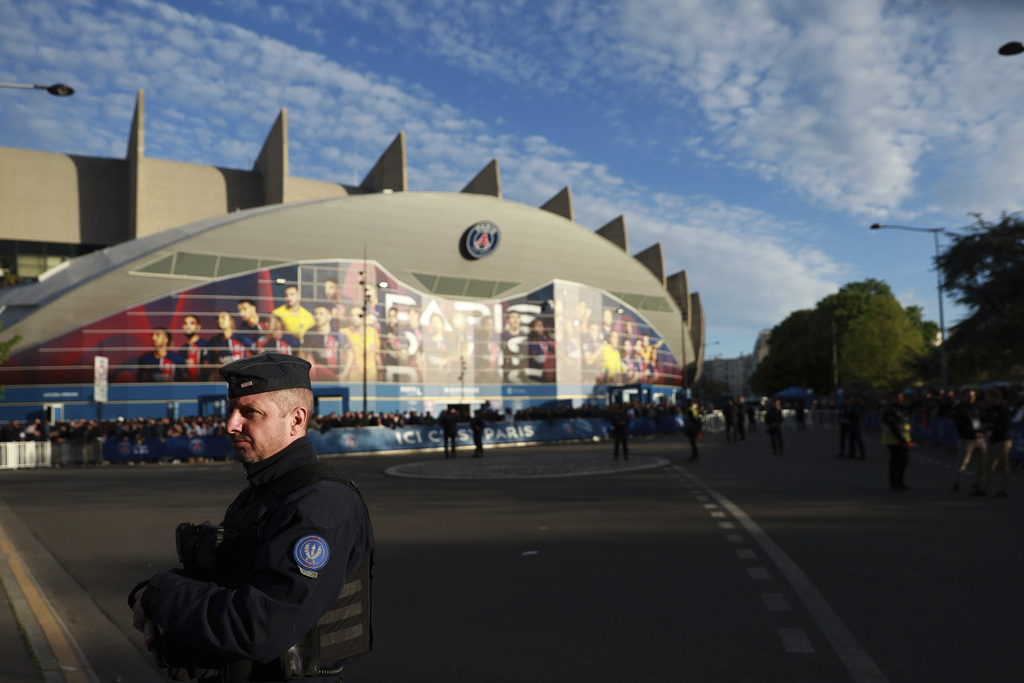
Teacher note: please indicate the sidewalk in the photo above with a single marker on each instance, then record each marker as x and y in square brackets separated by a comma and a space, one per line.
[48, 621]
[19, 666]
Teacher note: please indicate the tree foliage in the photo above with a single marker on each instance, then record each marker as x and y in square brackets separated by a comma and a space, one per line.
[860, 333]
[983, 270]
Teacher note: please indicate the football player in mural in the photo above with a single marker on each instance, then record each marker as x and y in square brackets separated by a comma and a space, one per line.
[540, 353]
[277, 340]
[362, 340]
[325, 348]
[593, 353]
[438, 352]
[160, 364]
[251, 325]
[225, 346]
[295, 317]
[512, 340]
[611, 359]
[335, 304]
[194, 348]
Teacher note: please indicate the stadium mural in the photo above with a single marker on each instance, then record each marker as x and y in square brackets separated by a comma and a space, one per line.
[562, 333]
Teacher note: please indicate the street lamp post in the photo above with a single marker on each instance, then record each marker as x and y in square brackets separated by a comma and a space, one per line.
[942, 320]
[57, 89]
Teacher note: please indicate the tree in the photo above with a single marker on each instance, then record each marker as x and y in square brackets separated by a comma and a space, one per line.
[983, 269]
[879, 344]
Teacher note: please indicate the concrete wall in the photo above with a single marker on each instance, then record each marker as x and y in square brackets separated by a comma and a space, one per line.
[47, 197]
[172, 193]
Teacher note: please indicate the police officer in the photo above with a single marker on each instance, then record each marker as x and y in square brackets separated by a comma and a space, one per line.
[896, 437]
[280, 589]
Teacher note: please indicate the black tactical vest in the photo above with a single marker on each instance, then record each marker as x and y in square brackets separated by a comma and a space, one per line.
[224, 554]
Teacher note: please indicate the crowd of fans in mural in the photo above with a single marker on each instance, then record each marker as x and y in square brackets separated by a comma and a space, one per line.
[346, 341]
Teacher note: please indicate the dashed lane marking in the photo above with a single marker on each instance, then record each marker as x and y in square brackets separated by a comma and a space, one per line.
[853, 656]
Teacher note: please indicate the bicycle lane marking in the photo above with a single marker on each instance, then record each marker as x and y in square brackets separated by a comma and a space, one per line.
[854, 657]
[56, 653]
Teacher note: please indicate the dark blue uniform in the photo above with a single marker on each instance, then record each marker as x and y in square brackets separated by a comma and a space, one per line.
[310, 541]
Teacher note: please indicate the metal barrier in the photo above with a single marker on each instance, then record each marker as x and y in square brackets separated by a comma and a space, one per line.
[713, 421]
[66, 453]
[21, 454]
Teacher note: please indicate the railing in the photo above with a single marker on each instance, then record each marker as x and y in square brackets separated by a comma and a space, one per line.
[25, 454]
[21, 454]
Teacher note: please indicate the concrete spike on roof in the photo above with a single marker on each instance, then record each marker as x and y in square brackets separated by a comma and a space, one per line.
[678, 285]
[697, 333]
[615, 232]
[654, 260]
[272, 162]
[390, 172]
[560, 204]
[487, 181]
[136, 151]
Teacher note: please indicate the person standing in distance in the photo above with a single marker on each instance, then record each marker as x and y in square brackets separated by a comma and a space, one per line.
[773, 420]
[264, 595]
[896, 437]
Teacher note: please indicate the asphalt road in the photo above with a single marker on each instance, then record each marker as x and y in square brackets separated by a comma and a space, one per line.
[742, 567]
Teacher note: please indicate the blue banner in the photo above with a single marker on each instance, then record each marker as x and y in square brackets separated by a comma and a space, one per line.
[178, 447]
[414, 437]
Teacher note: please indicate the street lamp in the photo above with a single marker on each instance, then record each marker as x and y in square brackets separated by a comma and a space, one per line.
[58, 89]
[1013, 48]
[942, 320]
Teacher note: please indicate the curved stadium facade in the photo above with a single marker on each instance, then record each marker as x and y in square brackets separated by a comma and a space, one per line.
[425, 299]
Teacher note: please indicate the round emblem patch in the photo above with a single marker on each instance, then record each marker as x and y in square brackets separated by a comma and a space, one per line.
[480, 240]
[312, 552]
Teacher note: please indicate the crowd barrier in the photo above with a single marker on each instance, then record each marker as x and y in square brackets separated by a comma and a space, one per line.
[26, 454]
[174, 448]
[19, 454]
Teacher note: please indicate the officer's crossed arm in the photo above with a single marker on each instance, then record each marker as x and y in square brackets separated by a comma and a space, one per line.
[312, 544]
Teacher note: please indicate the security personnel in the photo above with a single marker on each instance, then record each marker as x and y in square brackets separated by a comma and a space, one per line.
[280, 589]
[896, 437]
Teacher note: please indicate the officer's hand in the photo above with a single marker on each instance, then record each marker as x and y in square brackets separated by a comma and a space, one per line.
[139, 617]
[149, 632]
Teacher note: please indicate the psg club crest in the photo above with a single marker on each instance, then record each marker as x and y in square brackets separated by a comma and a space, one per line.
[480, 240]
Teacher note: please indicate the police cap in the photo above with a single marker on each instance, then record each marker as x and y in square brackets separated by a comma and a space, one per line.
[265, 372]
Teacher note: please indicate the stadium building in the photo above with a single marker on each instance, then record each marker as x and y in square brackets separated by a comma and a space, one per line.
[137, 278]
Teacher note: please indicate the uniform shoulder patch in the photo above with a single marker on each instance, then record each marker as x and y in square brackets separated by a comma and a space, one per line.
[311, 552]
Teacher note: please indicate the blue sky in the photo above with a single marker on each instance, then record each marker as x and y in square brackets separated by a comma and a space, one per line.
[756, 140]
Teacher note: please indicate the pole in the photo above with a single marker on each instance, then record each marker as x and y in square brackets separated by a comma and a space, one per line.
[366, 302]
[942, 319]
[938, 273]
[835, 359]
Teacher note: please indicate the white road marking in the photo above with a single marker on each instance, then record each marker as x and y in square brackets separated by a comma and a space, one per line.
[795, 641]
[850, 652]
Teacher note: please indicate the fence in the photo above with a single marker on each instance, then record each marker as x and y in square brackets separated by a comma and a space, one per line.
[20, 454]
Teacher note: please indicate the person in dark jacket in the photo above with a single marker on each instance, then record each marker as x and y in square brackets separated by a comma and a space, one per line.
[620, 417]
[997, 419]
[773, 421]
[449, 421]
[251, 597]
[970, 441]
[478, 425]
